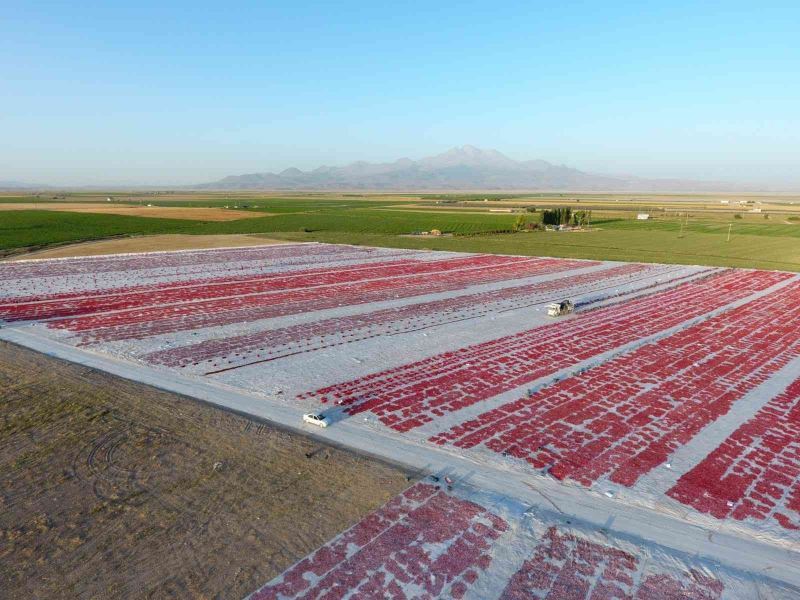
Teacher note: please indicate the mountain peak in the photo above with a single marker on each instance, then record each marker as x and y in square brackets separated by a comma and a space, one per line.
[469, 149]
[291, 172]
[470, 156]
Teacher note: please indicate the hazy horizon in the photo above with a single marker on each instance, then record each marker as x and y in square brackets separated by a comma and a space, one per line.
[183, 94]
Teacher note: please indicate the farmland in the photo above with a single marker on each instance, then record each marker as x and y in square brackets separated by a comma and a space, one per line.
[156, 212]
[646, 442]
[37, 229]
[683, 229]
[147, 243]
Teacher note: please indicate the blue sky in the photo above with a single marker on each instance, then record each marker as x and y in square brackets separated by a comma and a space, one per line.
[113, 92]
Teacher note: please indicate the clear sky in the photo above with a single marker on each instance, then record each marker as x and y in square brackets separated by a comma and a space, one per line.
[186, 92]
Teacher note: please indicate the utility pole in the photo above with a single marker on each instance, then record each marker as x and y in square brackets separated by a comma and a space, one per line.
[730, 226]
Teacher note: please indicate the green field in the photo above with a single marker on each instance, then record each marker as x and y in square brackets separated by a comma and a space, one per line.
[750, 251]
[772, 243]
[38, 229]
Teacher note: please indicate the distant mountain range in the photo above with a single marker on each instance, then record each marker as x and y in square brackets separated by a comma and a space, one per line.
[458, 169]
[464, 168]
[20, 185]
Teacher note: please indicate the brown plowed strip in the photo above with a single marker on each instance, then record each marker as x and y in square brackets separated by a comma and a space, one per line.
[150, 243]
[113, 489]
[161, 212]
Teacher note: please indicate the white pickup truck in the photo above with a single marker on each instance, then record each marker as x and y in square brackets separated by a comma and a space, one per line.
[314, 419]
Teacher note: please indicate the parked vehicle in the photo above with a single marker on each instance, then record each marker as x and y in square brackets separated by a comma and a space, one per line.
[559, 309]
[314, 419]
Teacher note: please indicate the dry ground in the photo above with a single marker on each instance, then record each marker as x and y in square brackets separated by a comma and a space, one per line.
[161, 212]
[113, 489]
[150, 243]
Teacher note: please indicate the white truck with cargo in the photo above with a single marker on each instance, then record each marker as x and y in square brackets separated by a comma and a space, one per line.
[559, 309]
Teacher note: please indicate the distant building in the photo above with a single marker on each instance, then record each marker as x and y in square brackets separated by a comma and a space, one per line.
[643, 216]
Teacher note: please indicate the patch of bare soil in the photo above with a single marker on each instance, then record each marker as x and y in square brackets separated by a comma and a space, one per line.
[111, 489]
[150, 243]
[161, 212]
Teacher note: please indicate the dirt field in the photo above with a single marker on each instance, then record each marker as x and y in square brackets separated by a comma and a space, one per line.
[161, 212]
[150, 243]
[113, 489]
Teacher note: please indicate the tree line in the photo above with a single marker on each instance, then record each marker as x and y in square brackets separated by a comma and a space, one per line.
[566, 216]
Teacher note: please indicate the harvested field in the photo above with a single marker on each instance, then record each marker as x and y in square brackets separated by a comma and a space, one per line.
[150, 243]
[160, 212]
[114, 489]
[625, 415]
